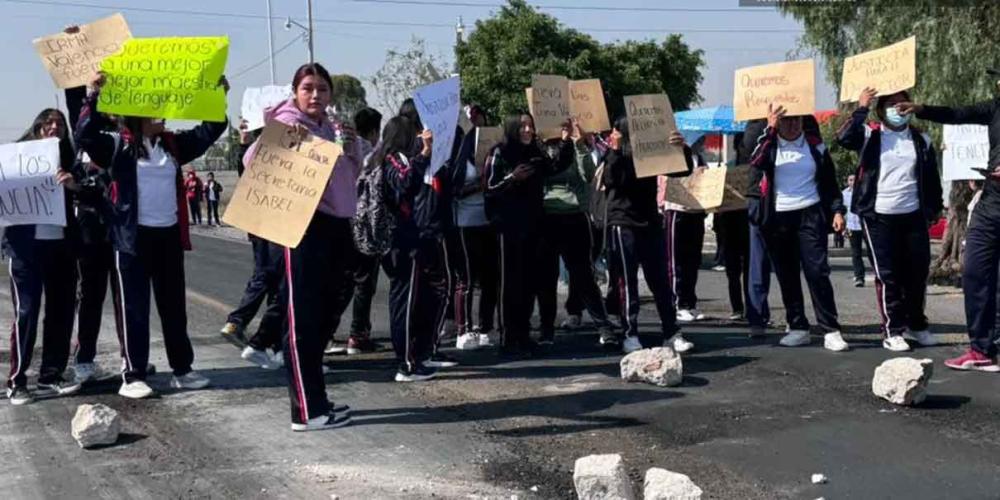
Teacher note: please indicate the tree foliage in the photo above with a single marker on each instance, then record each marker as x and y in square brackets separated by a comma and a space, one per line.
[348, 93]
[404, 71]
[504, 51]
[955, 46]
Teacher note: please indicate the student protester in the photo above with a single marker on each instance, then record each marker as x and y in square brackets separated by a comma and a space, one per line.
[566, 235]
[42, 262]
[149, 231]
[515, 174]
[213, 193]
[982, 239]
[854, 234]
[683, 253]
[263, 287]
[898, 196]
[195, 190]
[416, 262]
[478, 245]
[361, 289]
[636, 238]
[795, 200]
[321, 266]
[759, 274]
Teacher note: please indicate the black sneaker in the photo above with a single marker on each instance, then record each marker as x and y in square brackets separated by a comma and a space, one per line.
[20, 396]
[331, 421]
[416, 373]
[859, 283]
[58, 387]
[441, 360]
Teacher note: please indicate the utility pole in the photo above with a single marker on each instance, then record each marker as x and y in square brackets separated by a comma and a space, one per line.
[270, 41]
[309, 6]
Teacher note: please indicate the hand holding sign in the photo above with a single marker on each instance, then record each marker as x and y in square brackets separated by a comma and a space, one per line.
[72, 57]
[653, 135]
[438, 105]
[867, 97]
[29, 187]
[788, 84]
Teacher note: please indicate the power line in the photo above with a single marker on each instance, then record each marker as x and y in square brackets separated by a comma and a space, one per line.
[442, 3]
[264, 60]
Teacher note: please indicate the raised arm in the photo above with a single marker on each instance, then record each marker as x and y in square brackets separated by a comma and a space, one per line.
[853, 132]
[977, 114]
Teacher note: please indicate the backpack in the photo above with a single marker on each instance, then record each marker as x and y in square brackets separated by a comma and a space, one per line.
[374, 224]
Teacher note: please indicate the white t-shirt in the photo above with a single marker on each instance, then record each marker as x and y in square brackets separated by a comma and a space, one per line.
[897, 176]
[157, 179]
[794, 176]
[471, 210]
[48, 232]
[210, 191]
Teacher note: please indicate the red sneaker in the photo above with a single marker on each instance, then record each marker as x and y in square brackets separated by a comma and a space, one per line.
[360, 344]
[974, 360]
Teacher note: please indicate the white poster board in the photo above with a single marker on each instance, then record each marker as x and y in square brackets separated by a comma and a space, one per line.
[256, 99]
[438, 105]
[965, 147]
[29, 193]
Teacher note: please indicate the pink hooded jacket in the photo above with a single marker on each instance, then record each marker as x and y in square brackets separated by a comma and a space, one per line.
[341, 197]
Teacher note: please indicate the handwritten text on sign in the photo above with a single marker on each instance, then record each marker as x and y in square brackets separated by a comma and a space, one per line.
[650, 123]
[29, 193]
[788, 84]
[257, 99]
[438, 105]
[174, 78]
[559, 99]
[278, 194]
[887, 70]
[966, 147]
[72, 59]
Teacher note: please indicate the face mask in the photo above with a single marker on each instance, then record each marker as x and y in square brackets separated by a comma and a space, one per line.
[895, 119]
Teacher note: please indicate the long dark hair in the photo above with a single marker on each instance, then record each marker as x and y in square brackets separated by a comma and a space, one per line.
[511, 148]
[398, 136]
[34, 132]
[409, 110]
[621, 125]
[311, 69]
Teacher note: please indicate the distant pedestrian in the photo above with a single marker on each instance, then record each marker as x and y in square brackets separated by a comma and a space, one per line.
[193, 188]
[213, 194]
[855, 235]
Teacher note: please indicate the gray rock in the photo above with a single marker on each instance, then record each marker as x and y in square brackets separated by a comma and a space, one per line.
[658, 366]
[903, 381]
[95, 425]
[662, 484]
[602, 477]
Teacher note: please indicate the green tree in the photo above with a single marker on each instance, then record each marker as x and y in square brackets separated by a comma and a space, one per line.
[504, 51]
[348, 93]
[955, 47]
[404, 71]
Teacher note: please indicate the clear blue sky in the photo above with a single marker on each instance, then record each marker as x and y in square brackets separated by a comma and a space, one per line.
[345, 44]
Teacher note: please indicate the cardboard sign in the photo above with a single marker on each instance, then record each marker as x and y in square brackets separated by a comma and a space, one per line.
[586, 104]
[29, 193]
[966, 147]
[788, 84]
[713, 189]
[650, 123]
[550, 104]
[278, 194]
[73, 59]
[438, 105]
[734, 197]
[887, 70]
[486, 138]
[257, 99]
[167, 78]
[529, 94]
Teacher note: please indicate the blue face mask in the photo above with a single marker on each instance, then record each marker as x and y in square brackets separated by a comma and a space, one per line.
[895, 119]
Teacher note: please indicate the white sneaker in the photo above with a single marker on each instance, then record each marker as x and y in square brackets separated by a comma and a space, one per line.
[84, 372]
[922, 337]
[135, 390]
[572, 322]
[680, 344]
[833, 341]
[685, 315]
[631, 344]
[484, 340]
[191, 380]
[335, 349]
[332, 421]
[259, 358]
[895, 343]
[467, 342]
[276, 362]
[795, 338]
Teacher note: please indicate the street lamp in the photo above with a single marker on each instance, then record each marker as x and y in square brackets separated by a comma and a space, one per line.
[307, 34]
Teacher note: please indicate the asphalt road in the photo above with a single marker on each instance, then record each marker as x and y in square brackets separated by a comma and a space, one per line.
[750, 421]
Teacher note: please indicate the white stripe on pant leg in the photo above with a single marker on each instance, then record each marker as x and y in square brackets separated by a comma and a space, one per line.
[121, 288]
[625, 275]
[673, 259]
[17, 320]
[887, 320]
[293, 342]
[466, 308]
[503, 275]
[409, 307]
[443, 311]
